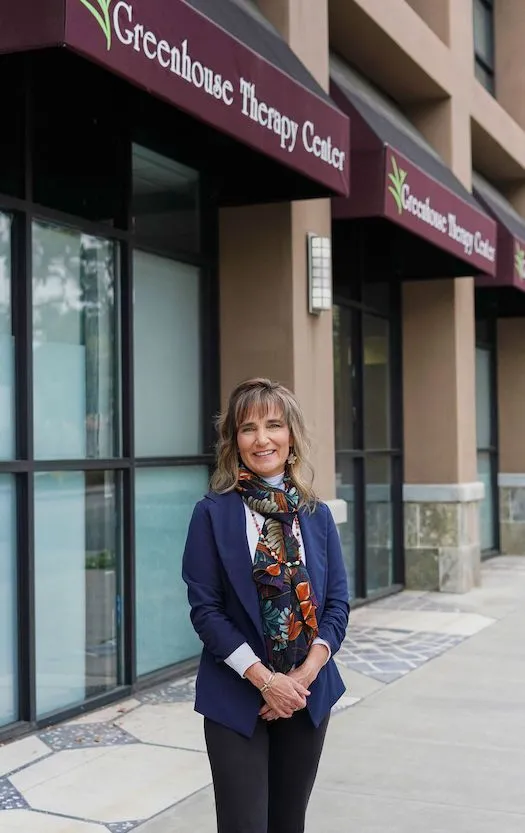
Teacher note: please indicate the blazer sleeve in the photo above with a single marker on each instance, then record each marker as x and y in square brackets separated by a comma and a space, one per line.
[201, 571]
[334, 619]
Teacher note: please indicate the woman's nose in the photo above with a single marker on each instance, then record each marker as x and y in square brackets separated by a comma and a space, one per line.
[261, 438]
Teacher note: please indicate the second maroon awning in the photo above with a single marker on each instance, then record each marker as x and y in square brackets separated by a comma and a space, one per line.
[397, 176]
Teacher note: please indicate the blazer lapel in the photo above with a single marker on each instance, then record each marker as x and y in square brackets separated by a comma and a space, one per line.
[315, 547]
[229, 521]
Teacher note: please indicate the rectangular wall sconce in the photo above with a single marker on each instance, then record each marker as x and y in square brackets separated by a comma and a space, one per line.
[319, 274]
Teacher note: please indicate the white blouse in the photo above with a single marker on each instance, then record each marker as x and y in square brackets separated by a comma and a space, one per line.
[243, 657]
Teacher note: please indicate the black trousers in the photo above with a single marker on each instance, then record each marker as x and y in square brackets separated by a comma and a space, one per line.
[263, 784]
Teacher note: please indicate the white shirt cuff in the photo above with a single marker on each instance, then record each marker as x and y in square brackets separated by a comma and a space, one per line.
[318, 641]
[241, 659]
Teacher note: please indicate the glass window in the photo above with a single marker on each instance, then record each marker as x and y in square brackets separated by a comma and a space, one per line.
[74, 345]
[7, 392]
[484, 42]
[167, 357]
[165, 202]
[483, 398]
[8, 602]
[164, 503]
[343, 379]
[379, 525]
[345, 490]
[376, 382]
[77, 586]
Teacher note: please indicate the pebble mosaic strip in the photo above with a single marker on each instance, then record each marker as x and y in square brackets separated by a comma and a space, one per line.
[180, 691]
[386, 655]
[122, 826]
[86, 735]
[10, 798]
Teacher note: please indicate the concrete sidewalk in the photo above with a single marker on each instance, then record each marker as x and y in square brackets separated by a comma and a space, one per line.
[430, 736]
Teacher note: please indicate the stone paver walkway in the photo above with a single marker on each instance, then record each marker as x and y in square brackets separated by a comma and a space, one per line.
[136, 765]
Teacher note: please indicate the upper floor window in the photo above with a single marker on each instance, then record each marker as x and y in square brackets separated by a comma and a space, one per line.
[484, 42]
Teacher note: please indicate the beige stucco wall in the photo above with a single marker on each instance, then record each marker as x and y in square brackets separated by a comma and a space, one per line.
[265, 325]
[511, 395]
[398, 48]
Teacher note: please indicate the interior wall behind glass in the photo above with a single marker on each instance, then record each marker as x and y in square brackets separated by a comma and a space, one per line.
[74, 345]
[167, 339]
[7, 391]
[165, 498]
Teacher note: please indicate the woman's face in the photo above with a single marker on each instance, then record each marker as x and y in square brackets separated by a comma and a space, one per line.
[264, 442]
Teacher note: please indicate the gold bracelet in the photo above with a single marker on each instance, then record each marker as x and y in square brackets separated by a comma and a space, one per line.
[268, 684]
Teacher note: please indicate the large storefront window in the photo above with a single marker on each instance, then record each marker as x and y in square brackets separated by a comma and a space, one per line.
[167, 358]
[367, 459]
[165, 498]
[74, 345]
[8, 602]
[77, 586]
[99, 475]
[7, 356]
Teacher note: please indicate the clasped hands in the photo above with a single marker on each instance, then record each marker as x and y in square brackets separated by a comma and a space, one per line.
[288, 692]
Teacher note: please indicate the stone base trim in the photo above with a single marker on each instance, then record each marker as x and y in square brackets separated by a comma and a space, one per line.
[443, 492]
[512, 513]
[442, 550]
[339, 510]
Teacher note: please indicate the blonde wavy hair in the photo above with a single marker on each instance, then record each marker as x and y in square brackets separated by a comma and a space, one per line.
[259, 396]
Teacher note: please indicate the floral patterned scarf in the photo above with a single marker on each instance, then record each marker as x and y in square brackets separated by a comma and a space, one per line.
[286, 597]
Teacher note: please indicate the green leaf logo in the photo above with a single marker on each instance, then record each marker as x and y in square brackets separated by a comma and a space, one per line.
[397, 178]
[101, 16]
[519, 261]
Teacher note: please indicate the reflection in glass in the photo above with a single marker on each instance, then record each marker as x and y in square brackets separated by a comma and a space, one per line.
[8, 602]
[379, 524]
[487, 532]
[345, 491]
[167, 357]
[74, 345]
[77, 586]
[165, 202]
[376, 382]
[165, 498]
[483, 398]
[7, 392]
[343, 378]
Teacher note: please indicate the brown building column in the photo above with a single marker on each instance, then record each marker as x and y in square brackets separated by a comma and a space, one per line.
[511, 422]
[266, 329]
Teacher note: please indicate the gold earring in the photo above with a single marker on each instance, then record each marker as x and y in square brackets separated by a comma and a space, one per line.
[292, 459]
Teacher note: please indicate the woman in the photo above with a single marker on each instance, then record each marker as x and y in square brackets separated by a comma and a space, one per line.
[269, 600]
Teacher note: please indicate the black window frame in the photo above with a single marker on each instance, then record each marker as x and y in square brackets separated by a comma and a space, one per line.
[481, 67]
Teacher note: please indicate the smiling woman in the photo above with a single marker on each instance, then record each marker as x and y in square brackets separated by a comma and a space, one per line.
[267, 679]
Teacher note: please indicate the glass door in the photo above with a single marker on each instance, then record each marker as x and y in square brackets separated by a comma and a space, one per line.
[368, 461]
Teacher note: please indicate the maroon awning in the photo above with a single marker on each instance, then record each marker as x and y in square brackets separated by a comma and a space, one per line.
[204, 65]
[510, 270]
[398, 178]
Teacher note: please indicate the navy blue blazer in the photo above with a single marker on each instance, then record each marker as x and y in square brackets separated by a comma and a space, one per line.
[217, 568]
